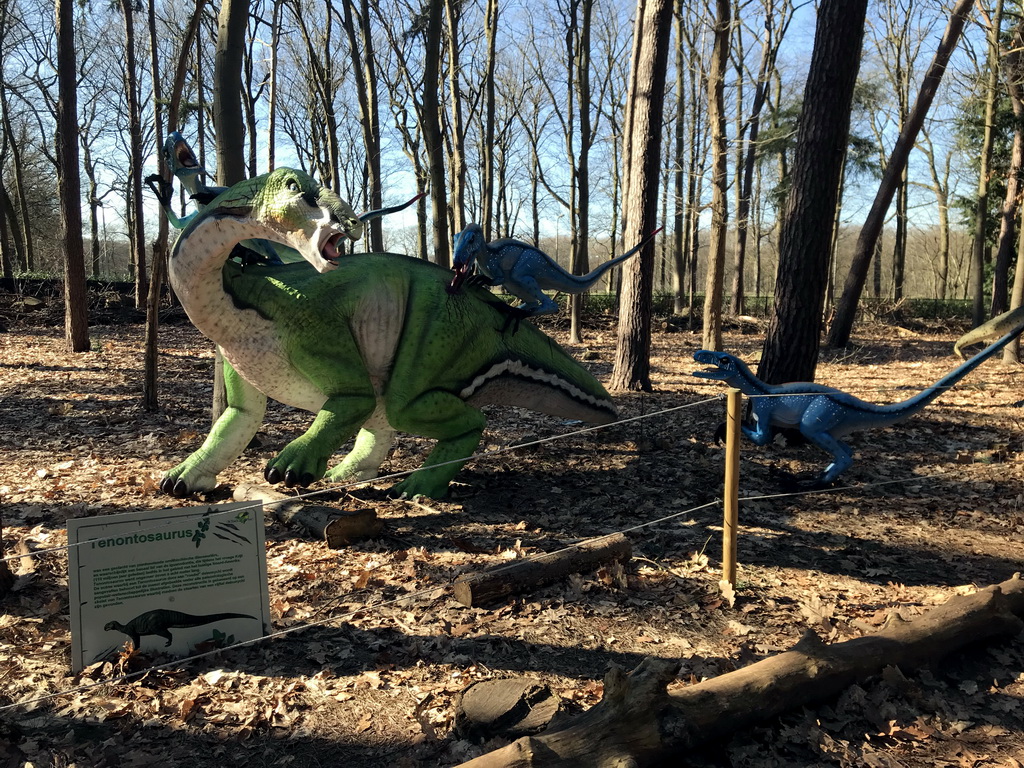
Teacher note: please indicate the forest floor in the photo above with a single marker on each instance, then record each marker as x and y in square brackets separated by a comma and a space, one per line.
[931, 509]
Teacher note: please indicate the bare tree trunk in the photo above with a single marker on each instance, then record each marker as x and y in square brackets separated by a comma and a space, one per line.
[432, 138]
[364, 68]
[275, 37]
[69, 183]
[136, 225]
[453, 14]
[150, 392]
[641, 157]
[679, 169]
[230, 131]
[1014, 69]
[980, 252]
[1005, 247]
[846, 309]
[791, 347]
[487, 150]
[581, 233]
[228, 123]
[715, 278]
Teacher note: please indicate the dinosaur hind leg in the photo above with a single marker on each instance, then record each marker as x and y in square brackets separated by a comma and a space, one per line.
[364, 460]
[842, 456]
[457, 428]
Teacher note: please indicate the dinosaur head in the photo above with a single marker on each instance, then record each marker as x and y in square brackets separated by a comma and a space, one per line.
[182, 161]
[293, 209]
[725, 367]
[469, 244]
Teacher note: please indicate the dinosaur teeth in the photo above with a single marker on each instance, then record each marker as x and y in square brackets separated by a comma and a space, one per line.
[330, 249]
[461, 273]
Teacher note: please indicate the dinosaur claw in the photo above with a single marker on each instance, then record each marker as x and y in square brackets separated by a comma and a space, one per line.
[290, 479]
[177, 488]
[272, 475]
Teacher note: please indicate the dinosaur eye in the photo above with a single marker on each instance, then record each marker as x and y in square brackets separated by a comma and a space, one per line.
[293, 186]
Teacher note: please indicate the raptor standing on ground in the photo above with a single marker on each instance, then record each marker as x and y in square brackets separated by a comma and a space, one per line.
[824, 414]
[522, 270]
[370, 343]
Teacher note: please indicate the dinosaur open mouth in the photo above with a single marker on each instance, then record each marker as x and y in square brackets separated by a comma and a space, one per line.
[330, 250]
[462, 271]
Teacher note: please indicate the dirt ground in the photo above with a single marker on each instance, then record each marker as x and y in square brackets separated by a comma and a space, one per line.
[931, 509]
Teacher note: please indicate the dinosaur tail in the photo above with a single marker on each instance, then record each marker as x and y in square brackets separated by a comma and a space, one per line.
[539, 375]
[920, 400]
[999, 324]
[587, 280]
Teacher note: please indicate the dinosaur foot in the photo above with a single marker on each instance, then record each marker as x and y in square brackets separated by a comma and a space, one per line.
[175, 487]
[796, 483]
[290, 478]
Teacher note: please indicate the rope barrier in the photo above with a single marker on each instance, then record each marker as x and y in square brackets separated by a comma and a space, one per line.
[431, 590]
[331, 619]
[341, 487]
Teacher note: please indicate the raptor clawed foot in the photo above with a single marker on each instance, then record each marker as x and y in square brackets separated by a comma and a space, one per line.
[513, 315]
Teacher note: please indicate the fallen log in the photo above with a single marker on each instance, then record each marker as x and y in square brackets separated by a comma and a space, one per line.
[639, 723]
[337, 527]
[509, 578]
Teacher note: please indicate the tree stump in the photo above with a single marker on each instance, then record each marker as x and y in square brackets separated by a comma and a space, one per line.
[511, 707]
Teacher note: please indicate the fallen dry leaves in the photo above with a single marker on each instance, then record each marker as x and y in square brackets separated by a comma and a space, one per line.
[374, 680]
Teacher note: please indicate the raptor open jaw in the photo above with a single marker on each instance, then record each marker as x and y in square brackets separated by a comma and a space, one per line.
[462, 273]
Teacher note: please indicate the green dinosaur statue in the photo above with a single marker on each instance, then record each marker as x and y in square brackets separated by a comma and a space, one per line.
[991, 330]
[370, 343]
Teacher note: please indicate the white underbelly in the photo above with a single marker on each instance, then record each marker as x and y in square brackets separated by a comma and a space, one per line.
[261, 360]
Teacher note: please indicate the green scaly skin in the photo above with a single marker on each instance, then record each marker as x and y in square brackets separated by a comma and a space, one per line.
[370, 343]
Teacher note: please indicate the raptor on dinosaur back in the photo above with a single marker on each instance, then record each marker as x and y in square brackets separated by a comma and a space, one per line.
[824, 414]
[369, 343]
[522, 270]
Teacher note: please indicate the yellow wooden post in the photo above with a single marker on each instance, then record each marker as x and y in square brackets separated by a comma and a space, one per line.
[731, 492]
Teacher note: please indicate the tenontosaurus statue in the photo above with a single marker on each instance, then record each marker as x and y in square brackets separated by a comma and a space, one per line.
[522, 269]
[370, 343]
[824, 414]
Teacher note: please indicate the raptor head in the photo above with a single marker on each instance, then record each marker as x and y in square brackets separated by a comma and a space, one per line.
[182, 161]
[725, 367]
[469, 244]
[292, 208]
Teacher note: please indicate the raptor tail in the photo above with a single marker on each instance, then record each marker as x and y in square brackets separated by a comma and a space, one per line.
[594, 275]
[920, 400]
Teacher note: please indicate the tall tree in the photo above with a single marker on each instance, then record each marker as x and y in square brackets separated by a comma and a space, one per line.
[432, 138]
[719, 177]
[846, 309]
[356, 22]
[641, 158]
[791, 347]
[136, 224]
[228, 121]
[69, 184]
[980, 252]
[777, 19]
